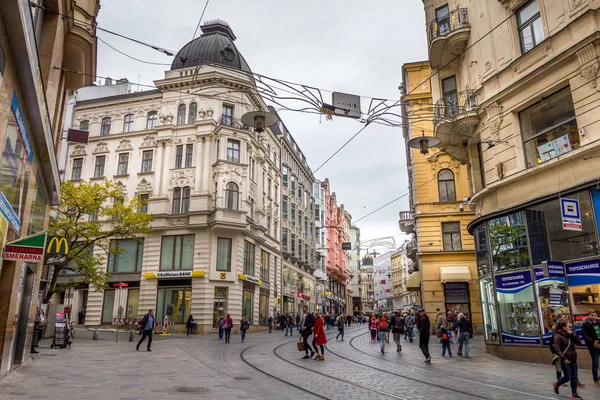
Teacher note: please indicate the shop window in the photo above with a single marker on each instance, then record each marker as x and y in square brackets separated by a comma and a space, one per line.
[128, 123]
[451, 236]
[518, 311]
[133, 301]
[482, 250]
[223, 254]
[490, 313]
[130, 257]
[548, 239]
[152, 120]
[456, 297]
[174, 303]
[264, 266]
[193, 113]
[446, 187]
[177, 252]
[233, 150]
[77, 167]
[249, 256]
[549, 128]
[553, 298]
[108, 306]
[231, 196]
[147, 160]
[220, 304]
[529, 22]
[181, 114]
[248, 306]
[105, 126]
[263, 309]
[508, 242]
[39, 206]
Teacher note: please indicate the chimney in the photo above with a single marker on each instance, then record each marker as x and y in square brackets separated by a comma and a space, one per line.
[107, 81]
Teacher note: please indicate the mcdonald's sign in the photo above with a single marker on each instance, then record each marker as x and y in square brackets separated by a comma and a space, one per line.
[57, 250]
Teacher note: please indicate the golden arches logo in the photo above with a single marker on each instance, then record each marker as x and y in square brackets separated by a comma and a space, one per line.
[58, 243]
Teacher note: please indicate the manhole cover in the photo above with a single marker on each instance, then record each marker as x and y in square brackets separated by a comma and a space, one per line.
[242, 378]
[189, 389]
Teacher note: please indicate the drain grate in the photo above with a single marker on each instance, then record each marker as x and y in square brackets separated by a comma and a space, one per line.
[242, 378]
[189, 389]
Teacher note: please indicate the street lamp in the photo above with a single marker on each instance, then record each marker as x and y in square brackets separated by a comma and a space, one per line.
[423, 143]
[259, 120]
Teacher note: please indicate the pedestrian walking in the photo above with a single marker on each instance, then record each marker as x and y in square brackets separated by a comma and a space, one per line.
[270, 323]
[562, 317]
[307, 323]
[340, 327]
[382, 328]
[320, 339]
[464, 328]
[147, 327]
[409, 322]
[565, 343]
[445, 339]
[220, 323]
[424, 327]
[590, 329]
[289, 324]
[244, 326]
[227, 325]
[189, 325]
[297, 322]
[397, 323]
[440, 322]
[373, 327]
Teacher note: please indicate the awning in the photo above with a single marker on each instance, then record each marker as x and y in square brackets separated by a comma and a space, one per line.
[455, 274]
[413, 283]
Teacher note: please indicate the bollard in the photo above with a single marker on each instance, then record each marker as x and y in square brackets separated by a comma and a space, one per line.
[131, 335]
[95, 337]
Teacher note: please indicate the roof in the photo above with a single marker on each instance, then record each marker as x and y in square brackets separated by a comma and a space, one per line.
[215, 45]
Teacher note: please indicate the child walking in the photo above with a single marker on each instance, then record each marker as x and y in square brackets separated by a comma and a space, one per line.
[445, 338]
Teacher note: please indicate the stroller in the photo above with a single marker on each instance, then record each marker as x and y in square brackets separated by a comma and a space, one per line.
[62, 337]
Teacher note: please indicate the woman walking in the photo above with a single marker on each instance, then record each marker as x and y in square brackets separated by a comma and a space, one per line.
[340, 326]
[565, 343]
[464, 327]
[190, 324]
[373, 327]
[320, 339]
[244, 325]
[227, 325]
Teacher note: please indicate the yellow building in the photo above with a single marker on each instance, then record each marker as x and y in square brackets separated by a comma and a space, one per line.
[443, 251]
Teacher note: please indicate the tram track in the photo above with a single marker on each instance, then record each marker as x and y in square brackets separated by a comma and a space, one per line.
[429, 371]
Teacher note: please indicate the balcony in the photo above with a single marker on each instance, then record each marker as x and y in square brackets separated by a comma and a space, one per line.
[233, 122]
[448, 37]
[455, 118]
[411, 249]
[407, 222]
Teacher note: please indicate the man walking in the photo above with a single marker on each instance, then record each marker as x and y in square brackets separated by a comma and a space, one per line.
[289, 324]
[397, 323]
[409, 323]
[306, 325]
[147, 327]
[424, 327]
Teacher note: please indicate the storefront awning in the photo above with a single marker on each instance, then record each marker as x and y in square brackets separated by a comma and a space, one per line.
[455, 274]
[413, 283]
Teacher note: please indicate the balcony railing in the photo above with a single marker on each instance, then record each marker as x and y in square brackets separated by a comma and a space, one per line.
[453, 104]
[454, 20]
[406, 215]
[234, 123]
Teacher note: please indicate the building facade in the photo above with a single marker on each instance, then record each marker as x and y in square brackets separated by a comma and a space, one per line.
[354, 274]
[445, 250]
[384, 296]
[297, 225]
[34, 40]
[523, 118]
[212, 183]
[366, 288]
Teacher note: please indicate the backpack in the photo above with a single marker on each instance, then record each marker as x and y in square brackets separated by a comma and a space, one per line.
[445, 336]
[383, 324]
[373, 324]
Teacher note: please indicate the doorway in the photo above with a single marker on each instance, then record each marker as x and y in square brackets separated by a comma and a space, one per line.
[220, 304]
[26, 286]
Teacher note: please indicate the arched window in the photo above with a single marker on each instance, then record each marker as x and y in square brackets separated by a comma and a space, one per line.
[84, 125]
[152, 120]
[105, 127]
[181, 114]
[231, 196]
[128, 123]
[446, 186]
[193, 113]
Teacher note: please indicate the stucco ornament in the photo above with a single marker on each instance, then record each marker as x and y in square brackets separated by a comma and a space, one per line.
[125, 144]
[588, 64]
[182, 178]
[148, 141]
[177, 221]
[144, 186]
[79, 151]
[589, 74]
[101, 147]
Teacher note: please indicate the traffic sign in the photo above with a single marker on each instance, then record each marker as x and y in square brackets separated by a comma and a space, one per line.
[571, 214]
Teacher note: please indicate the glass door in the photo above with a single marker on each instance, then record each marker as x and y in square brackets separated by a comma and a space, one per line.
[450, 97]
[443, 22]
[220, 305]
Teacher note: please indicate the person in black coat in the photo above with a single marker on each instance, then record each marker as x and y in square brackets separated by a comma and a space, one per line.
[190, 325]
[590, 330]
[424, 327]
[307, 322]
[464, 328]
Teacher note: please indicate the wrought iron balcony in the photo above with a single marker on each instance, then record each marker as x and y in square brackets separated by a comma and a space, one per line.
[234, 123]
[455, 118]
[448, 36]
[407, 222]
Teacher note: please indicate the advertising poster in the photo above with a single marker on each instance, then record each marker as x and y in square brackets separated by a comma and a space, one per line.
[3, 233]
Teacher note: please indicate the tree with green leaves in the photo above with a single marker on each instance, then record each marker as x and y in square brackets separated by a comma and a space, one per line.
[89, 215]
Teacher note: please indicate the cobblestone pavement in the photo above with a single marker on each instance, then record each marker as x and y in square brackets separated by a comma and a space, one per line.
[268, 366]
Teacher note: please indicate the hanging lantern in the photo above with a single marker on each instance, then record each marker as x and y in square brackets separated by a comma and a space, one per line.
[259, 120]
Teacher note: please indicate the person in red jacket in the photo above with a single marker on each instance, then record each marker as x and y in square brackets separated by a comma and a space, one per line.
[227, 325]
[320, 338]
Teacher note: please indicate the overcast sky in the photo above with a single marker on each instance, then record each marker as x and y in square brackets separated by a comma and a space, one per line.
[351, 46]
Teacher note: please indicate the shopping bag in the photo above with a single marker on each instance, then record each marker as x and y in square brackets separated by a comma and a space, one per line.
[300, 344]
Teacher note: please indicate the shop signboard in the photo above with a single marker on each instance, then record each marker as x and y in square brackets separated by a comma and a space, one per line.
[571, 214]
[456, 292]
[584, 273]
[250, 278]
[16, 109]
[29, 249]
[9, 213]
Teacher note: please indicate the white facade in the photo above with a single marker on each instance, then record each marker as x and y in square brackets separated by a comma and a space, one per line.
[384, 295]
[353, 266]
[212, 185]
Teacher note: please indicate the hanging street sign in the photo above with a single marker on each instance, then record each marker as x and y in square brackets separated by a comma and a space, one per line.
[327, 109]
[346, 105]
[57, 251]
[29, 249]
[571, 214]
[77, 136]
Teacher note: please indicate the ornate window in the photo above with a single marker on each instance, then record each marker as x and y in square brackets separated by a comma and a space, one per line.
[147, 160]
[446, 186]
[233, 150]
[231, 196]
[152, 120]
[128, 123]
[84, 125]
[105, 127]
[181, 200]
[181, 114]
[529, 21]
[193, 113]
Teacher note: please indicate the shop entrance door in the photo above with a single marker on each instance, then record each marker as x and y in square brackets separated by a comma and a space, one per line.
[23, 319]
[220, 305]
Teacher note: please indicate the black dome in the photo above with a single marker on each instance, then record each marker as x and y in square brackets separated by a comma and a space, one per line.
[215, 45]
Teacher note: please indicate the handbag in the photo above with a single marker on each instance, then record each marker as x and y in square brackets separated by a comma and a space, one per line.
[556, 359]
[300, 344]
